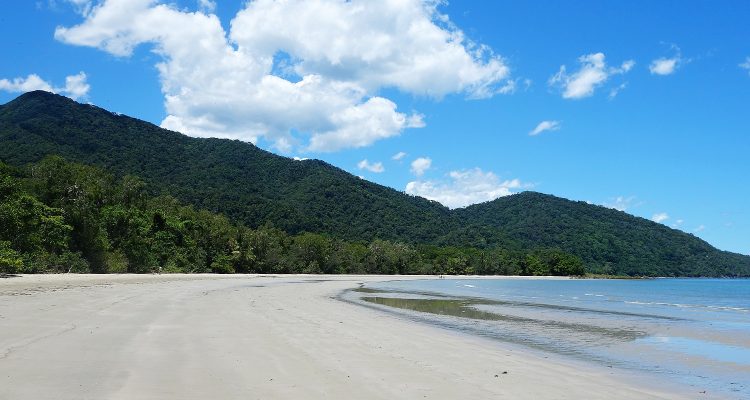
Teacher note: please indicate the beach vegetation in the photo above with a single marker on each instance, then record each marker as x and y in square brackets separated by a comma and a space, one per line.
[176, 203]
[59, 216]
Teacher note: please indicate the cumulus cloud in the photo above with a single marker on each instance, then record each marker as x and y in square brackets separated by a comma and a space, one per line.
[376, 167]
[398, 156]
[663, 66]
[667, 65]
[621, 203]
[420, 165]
[545, 126]
[75, 87]
[746, 65]
[700, 228]
[363, 124]
[660, 217]
[207, 6]
[28, 84]
[310, 85]
[464, 188]
[592, 74]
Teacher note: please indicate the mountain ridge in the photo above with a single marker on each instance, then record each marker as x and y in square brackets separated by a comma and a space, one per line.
[256, 187]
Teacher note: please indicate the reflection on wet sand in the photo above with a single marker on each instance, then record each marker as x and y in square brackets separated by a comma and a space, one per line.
[693, 338]
[465, 309]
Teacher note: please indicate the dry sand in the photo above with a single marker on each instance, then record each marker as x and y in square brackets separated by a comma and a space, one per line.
[250, 337]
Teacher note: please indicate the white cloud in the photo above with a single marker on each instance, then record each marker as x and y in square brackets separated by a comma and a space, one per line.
[464, 188]
[667, 65]
[663, 66]
[616, 90]
[420, 165]
[621, 203]
[625, 67]
[660, 217]
[83, 7]
[398, 156]
[509, 87]
[207, 6]
[363, 124]
[28, 84]
[592, 74]
[75, 85]
[336, 56]
[700, 228]
[746, 65]
[545, 126]
[376, 167]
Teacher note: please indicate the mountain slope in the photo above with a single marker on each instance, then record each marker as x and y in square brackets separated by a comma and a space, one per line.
[236, 178]
[255, 187]
[609, 241]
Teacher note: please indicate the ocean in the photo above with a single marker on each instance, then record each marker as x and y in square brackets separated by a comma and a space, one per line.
[693, 332]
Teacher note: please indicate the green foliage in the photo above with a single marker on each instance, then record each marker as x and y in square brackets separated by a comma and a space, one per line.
[65, 262]
[10, 261]
[105, 225]
[249, 185]
[606, 240]
[29, 225]
[136, 218]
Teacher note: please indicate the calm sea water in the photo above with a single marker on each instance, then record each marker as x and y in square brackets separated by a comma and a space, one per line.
[692, 332]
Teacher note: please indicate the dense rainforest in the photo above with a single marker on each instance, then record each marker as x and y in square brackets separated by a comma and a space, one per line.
[57, 216]
[255, 190]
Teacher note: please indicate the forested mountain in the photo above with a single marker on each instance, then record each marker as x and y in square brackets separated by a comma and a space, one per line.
[59, 216]
[254, 188]
[235, 178]
[609, 241]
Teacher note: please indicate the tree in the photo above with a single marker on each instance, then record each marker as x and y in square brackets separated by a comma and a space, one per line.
[312, 253]
[10, 261]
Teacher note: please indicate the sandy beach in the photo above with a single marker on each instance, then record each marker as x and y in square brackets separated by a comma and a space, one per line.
[254, 337]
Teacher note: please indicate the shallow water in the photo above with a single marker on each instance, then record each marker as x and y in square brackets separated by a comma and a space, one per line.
[691, 331]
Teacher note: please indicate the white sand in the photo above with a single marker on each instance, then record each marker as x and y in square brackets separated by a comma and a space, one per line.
[247, 337]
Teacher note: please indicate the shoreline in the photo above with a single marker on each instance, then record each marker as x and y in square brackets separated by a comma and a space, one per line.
[281, 336]
[671, 343]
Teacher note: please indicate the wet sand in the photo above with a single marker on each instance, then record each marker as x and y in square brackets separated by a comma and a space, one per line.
[253, 337]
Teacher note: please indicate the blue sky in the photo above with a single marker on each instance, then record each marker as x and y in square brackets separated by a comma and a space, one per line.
[649, 114]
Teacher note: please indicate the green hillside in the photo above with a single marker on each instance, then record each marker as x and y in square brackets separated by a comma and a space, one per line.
[609, 241]
[232, 177]
[254, 187]
[59, 216]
